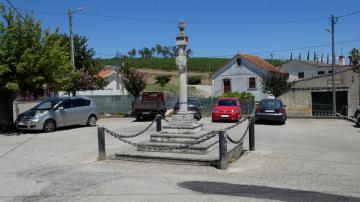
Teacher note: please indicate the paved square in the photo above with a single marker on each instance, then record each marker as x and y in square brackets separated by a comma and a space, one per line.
[305, 159]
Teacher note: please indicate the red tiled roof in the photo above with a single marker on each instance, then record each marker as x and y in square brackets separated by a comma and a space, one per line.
[105, 72]
[259, 62]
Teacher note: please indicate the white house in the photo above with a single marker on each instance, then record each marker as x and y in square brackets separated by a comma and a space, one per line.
[242, 73]
[302, 69]
[115, 84]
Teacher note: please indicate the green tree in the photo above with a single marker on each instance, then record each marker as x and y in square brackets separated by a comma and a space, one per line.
[163, 79]
[132, 53]
[134, 81]
[85, 63]
[28, 59]
[275, 83]
[354, 56]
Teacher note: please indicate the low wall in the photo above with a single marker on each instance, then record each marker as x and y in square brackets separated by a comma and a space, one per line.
[21, 106]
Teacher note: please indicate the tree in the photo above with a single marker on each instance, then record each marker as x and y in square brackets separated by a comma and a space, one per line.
[86, 64]
[79, 81]
[308, 55]
[163, 79]
[29, 58]
[166, 52]
[134, 81]
[132, 53]
[354, 56]
[275, 83]
[145, 52]
[159, 49]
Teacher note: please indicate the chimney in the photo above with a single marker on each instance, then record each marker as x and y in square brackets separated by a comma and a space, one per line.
[341, 60]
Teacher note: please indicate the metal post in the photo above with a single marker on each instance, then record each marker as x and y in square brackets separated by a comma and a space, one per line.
[333, 63]
[70, 12]
[158, 123]
[101, 142]
[223, 150]
[252, 134]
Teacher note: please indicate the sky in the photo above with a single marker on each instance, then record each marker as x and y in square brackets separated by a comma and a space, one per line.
[216, 28]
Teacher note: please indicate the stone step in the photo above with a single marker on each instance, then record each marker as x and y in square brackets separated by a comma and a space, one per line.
[182, 128]
[178, 138]
[202, 148]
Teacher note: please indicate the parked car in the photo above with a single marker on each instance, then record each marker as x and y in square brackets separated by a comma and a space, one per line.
[226, 109]
[57, 112]
[271, 110]
[194, 107]
[151, 104]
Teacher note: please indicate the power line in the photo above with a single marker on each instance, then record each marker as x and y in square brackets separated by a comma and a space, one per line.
[12, 6]
[349, 14]
[175, 21]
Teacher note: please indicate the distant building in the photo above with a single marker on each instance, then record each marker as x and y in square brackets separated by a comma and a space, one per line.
[115, 84]
[313, 96]
[242, 73]
[302, 69]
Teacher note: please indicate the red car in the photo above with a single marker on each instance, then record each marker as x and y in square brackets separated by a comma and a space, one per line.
[226, 109]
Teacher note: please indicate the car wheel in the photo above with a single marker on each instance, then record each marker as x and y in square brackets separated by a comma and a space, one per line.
[49, 126]
[92, 121]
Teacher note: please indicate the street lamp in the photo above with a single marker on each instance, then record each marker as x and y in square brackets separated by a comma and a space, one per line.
[70, 13]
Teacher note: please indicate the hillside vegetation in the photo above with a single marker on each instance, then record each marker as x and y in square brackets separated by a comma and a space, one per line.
[168, 64]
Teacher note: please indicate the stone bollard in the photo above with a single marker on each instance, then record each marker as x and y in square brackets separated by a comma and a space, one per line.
[101, 143]
[158, 123]
[223, 164]
[252, 134]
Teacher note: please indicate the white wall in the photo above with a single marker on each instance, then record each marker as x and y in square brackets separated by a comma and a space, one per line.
[239, 77]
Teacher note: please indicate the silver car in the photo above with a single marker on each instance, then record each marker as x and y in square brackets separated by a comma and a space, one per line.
[57, 112]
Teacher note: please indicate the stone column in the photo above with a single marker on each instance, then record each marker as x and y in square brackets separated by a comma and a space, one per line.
[181, 63]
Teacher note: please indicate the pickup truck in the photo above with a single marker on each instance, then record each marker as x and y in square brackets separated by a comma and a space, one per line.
[151, 104]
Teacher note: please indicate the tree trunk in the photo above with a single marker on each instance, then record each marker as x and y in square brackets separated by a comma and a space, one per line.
[6, 110]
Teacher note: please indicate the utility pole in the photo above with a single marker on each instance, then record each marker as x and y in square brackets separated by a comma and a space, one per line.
[333, 21]
[72, 54]
[70, 13]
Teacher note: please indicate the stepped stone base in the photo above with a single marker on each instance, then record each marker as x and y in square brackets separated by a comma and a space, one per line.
[182, 124]
[202, 148]
[177, 138]
[182, 129]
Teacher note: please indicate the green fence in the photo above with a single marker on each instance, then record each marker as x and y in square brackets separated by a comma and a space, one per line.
[121, 104]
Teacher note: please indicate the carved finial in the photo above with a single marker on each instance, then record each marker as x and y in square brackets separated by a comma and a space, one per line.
[182, 25]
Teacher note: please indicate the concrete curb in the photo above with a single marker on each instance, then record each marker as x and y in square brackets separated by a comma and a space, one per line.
[324, 117]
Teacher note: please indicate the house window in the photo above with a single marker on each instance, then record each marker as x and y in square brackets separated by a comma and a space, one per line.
[238, 61]
[227, 85]
[252, 83]
[301, 75]
[330, 72]
[321, 72]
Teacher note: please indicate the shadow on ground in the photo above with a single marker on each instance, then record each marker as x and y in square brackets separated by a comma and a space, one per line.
[261, 192]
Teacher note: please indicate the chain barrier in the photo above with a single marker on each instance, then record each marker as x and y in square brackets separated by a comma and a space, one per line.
[242, 137]
[112, 133]
[206, 137]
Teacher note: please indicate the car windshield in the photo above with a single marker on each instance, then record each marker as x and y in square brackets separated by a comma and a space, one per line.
[47, 104]
[270, 104]
[191, 102]
[227, 103]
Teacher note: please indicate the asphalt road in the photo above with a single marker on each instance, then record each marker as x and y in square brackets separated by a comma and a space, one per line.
[304, 160]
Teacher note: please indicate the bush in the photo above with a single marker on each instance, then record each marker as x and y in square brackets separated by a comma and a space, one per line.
[163, 79]
[242, 96]
[194, 80]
